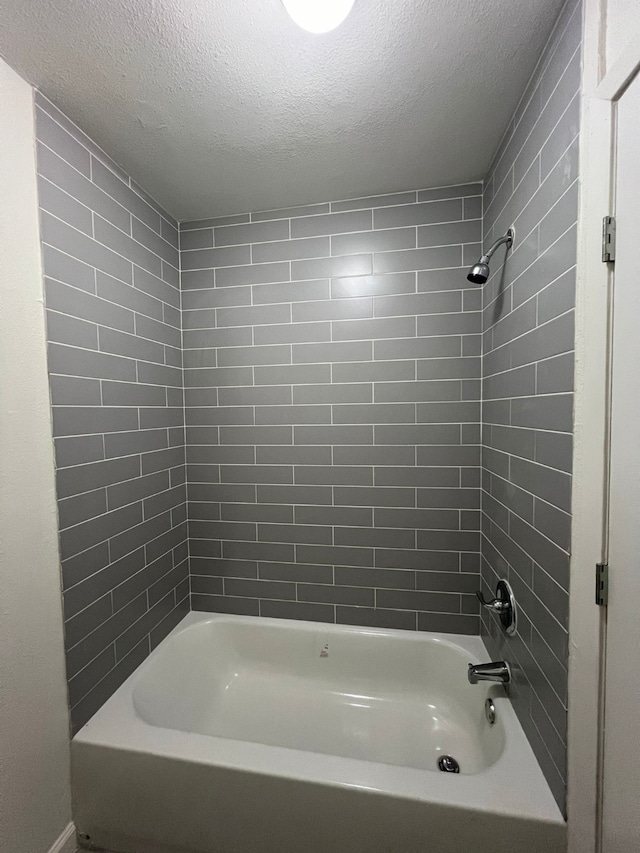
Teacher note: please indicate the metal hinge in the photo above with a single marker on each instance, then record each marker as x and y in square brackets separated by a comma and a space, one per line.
[608, 239]
[602, 584]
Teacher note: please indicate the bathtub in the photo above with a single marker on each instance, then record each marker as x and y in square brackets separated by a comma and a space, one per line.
[240, 734]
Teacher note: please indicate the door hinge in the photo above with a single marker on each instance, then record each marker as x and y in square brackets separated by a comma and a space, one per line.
[602, 584]
[608, 239]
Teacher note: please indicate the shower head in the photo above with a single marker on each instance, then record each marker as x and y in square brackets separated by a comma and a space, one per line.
[479, 272]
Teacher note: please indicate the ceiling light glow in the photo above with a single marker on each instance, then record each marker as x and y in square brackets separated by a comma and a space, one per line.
[318, 16]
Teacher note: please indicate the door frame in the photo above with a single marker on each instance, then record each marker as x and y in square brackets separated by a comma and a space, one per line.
[601, 87]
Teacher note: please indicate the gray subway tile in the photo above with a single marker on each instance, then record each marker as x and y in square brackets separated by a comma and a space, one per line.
[438, 602]
[374, 455]
[294, 291]
[432, 347]
[290, 250]
[333, 434]
[376, 497]
[332, 310]
[132, 442]
[251, 315]
[374, 537]
[373, 371]
[212, 297]
[129, 345]
[469, 231]
[253, 274]
[329, 515]
[199, 239]
[331, 352]
[258, 232]
[339, 267]
[84, 248]
[549, 412]
[377, 618]
[229, 256]
[423, 560]
[297, 572]
[125, 247]
[296, 533]
[328, 594]
[298, 374]
[289, 455]
[222, 604]
[334, 555]
[374, 413]
[78, 449]
[79, 420]
[451, 624]
[62, 267]
[58, 139]
[373, 285]
[290, 212]
[374, 201]
[155, 243]
[417, 259]
[419, 303]
[293, 494]
[127, 296]
[358, 393]
[333, 223]
[454, 191]
[418, 214]
[351, 330]
[74, 391]
[373, 241]
[63, 206]
[297, 610]
[194, 224]
[292, 333]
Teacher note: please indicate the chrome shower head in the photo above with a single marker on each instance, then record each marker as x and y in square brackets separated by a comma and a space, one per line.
[479, 272]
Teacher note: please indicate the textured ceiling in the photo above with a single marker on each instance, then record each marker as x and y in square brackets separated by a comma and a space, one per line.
[223, 106]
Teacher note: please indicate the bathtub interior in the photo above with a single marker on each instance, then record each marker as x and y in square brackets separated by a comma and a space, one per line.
[388, 697]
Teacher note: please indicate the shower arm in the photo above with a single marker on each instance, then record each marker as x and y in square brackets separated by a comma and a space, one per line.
[508, 239]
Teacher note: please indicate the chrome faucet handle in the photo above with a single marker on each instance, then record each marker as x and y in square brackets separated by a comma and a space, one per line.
[503, 605]
[498, 605]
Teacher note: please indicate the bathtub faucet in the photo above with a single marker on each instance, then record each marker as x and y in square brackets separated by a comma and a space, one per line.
[495, 671]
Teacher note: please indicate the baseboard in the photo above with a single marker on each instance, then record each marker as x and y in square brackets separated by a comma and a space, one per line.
[66, 841]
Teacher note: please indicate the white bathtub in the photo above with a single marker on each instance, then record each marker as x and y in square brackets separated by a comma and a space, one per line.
[240, 734]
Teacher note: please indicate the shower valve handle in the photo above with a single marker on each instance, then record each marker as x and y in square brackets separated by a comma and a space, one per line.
[503, 605]
[498, 605]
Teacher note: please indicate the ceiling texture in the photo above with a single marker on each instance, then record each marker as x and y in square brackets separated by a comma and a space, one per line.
[222, 106]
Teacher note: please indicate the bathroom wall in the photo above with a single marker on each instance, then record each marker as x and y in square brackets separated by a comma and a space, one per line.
[332, 373]
[111, 267]
[528, 329]
[35, 796]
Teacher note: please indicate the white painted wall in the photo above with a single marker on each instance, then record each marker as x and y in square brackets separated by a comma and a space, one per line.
[35, 804]
[622, 28]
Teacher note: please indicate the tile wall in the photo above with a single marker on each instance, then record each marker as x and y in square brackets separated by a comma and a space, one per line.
[332, 390]
[528, 328]
[111, 267]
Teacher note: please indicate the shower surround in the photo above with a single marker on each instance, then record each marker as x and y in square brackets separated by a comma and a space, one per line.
[319, 456]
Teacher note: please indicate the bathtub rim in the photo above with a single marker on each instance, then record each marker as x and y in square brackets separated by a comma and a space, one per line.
[498, 789]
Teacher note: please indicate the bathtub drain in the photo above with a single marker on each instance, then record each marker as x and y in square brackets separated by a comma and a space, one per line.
[448, 764]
